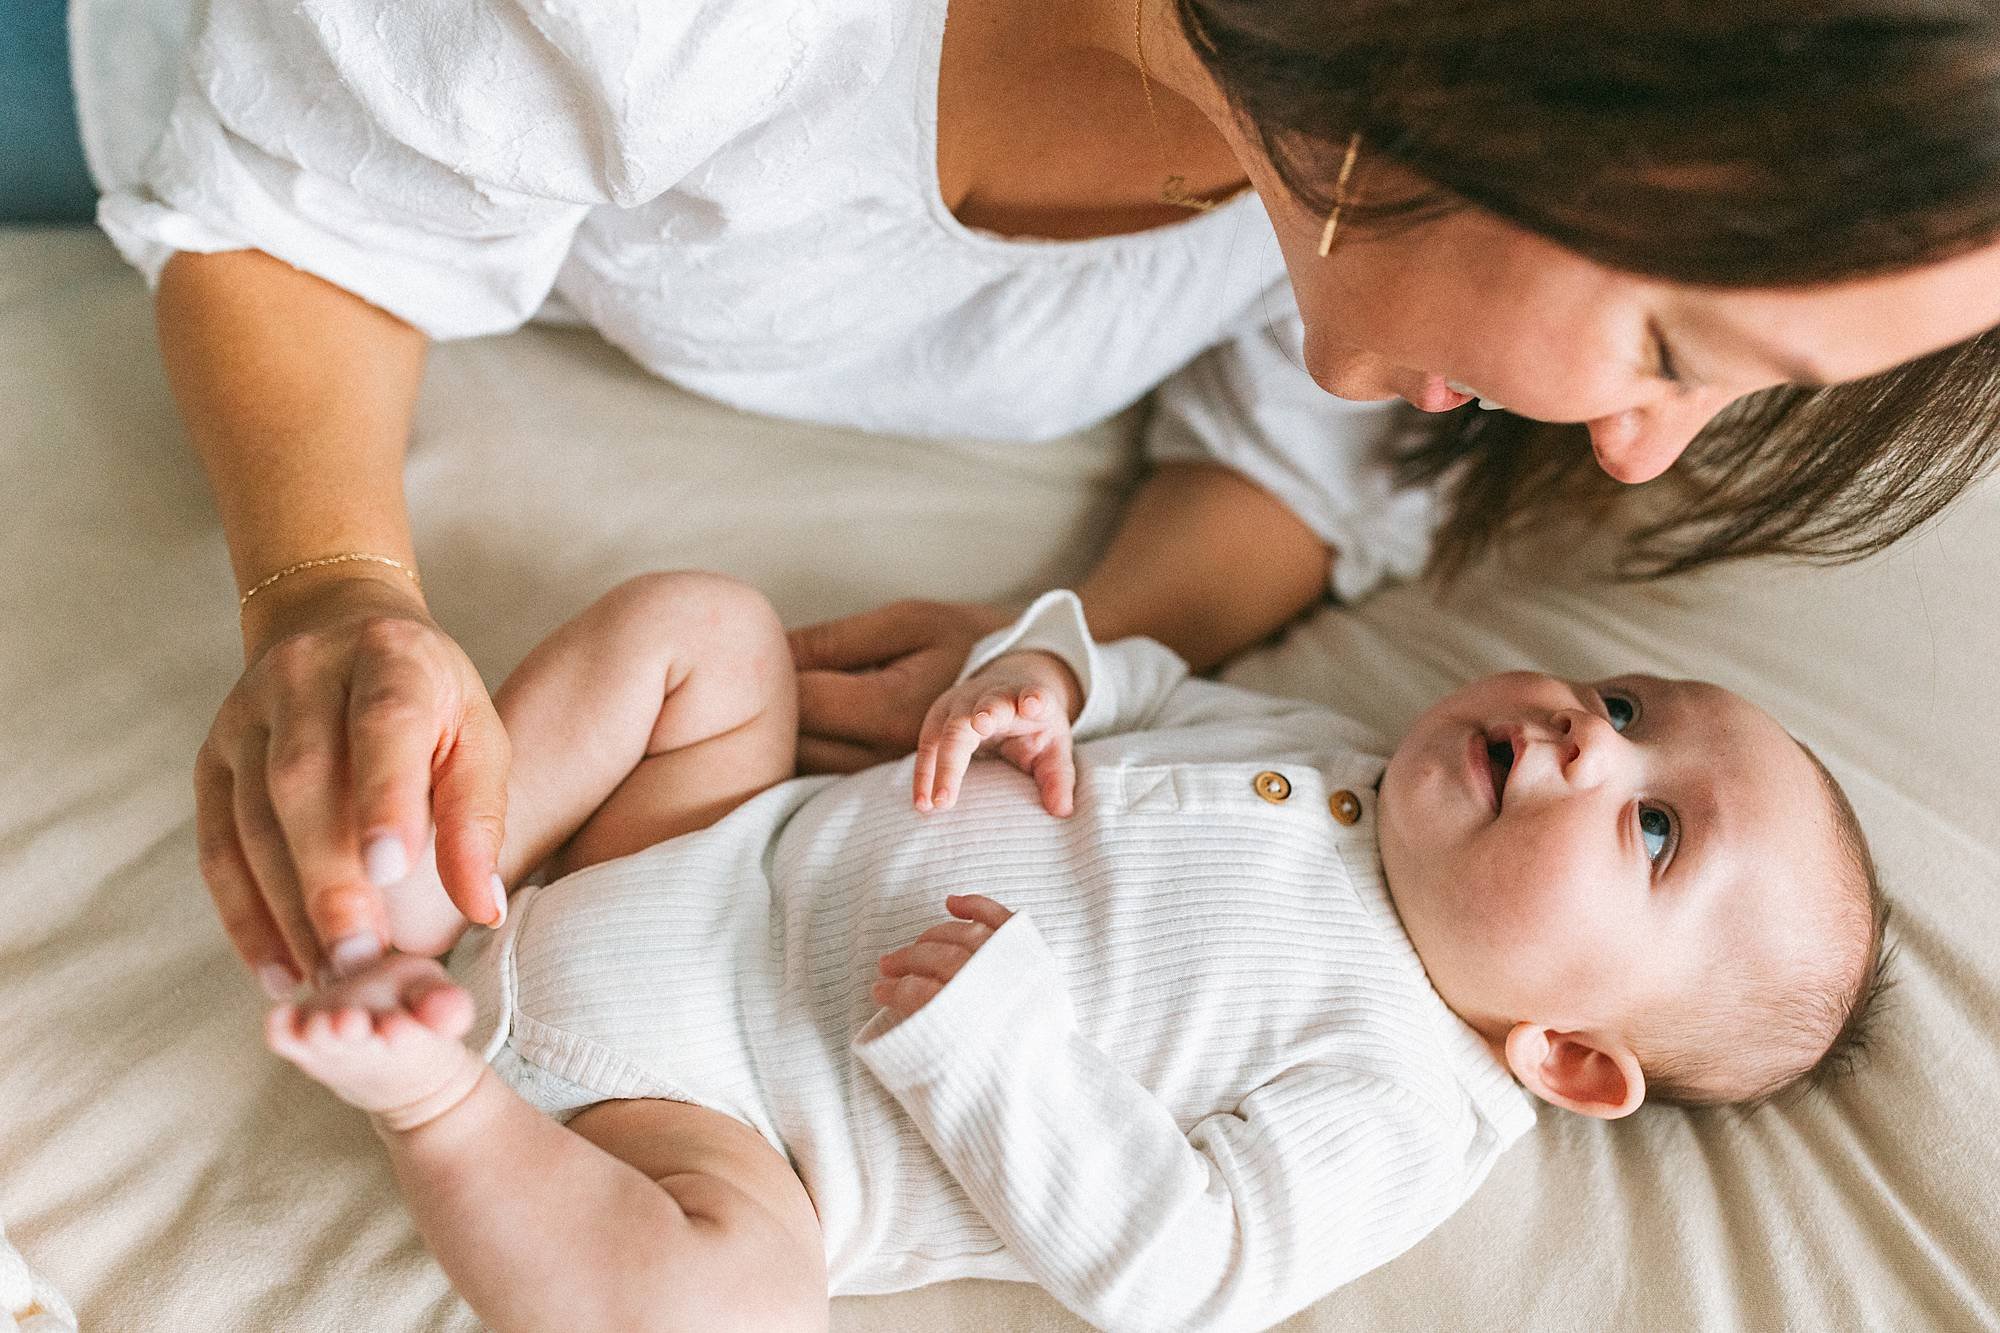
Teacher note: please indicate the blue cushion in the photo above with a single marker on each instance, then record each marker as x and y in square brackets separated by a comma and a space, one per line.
[42, 176]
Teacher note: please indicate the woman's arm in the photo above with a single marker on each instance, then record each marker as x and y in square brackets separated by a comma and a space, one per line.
[1204, 561]
[298, 396]
[1207, 562]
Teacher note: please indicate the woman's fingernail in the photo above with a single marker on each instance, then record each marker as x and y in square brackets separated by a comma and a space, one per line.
[499, 902]
[351, 953]
[277, 981]
[385, 860]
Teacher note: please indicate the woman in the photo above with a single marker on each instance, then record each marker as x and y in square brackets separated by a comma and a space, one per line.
[1616, 224]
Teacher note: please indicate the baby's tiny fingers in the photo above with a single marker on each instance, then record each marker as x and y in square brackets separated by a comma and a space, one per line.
[1055, 775]
[967, 935]
[923, 777]
[905, 995]
[955, 751]
[351, 1023]
[993, 713]
[926, 958]
[977, 907]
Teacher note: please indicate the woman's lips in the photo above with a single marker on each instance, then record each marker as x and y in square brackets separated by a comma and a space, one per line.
[1435, 395]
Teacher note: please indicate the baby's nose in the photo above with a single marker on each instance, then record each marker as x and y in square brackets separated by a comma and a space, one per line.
[1581, 735]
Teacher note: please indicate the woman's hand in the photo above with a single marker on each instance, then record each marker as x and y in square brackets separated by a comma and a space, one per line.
[316, 786]
[913, 975]
[866, 681]
[1019, 704]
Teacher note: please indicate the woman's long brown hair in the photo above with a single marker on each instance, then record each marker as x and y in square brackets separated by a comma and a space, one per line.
[1756, 143]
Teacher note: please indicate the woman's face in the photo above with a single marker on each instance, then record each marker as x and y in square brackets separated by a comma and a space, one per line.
[1473, 301]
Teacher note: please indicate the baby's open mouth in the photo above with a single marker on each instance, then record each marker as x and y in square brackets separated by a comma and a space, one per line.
[1500, 757]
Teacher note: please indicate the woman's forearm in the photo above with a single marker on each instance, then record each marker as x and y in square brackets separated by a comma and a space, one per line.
[297, 396]
[1206, 562]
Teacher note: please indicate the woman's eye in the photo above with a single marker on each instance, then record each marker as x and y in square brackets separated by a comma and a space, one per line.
[1656, 831]
[1619, 709]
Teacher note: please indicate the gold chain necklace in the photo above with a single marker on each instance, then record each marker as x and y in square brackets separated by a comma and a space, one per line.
[1174, 189]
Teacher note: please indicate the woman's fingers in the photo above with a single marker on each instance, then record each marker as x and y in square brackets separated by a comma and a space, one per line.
[252, 931]
[470, 804]
[881, 709]
[864, 640]
[264, 851]
[392, 734]
[305, 777]
[821, 754]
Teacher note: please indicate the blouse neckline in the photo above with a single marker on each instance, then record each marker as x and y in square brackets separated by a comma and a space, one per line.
[929, 75]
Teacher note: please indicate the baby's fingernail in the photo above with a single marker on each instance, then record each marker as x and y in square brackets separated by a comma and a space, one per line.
[499, 901]
[385, 861]
[277, 981]
[351, 953]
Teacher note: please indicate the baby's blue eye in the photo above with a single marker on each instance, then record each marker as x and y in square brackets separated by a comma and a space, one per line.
[1619, 709]
[1656, 829]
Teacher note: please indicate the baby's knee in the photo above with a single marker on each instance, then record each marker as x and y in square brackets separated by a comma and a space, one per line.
[697, 609]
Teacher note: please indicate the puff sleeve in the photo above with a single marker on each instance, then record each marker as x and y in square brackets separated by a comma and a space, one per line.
[435, 158]
[1249, 404]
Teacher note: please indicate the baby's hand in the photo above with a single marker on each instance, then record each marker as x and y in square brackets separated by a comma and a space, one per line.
[915, 973]
[1020, 704]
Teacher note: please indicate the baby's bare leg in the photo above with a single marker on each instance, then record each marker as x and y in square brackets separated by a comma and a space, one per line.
[643, 1214]
[664, 705]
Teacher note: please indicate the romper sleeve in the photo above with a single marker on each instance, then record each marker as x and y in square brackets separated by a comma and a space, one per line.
[1249, 404]
[1133, 1222]
[1125, 684]
[431, 156]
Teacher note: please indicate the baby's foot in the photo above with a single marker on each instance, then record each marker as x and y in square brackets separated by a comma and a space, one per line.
[385, 1039]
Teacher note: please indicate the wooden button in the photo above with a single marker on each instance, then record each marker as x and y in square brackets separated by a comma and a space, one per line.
[1273, 787]
[1346, 806]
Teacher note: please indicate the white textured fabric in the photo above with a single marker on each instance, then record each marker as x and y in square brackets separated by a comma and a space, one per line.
[741, 194]
[29, 1303]
[1199, 1080]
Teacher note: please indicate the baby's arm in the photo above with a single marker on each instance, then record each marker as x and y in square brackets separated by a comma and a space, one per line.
[1245, 1217]
[641, 1214]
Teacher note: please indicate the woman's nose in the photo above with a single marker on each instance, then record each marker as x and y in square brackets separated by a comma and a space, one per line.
[1639, 444]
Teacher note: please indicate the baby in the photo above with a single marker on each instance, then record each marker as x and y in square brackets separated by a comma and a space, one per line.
[1202, 1012]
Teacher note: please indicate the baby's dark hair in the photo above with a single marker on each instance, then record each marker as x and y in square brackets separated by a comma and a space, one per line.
[1814, 1026]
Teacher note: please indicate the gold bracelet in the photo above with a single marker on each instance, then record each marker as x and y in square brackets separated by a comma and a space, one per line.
[341, 559]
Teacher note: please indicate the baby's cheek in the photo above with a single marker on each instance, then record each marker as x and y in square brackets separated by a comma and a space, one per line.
[1530, 896]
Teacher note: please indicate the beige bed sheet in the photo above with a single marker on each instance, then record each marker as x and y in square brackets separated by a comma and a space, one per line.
[167, 1173]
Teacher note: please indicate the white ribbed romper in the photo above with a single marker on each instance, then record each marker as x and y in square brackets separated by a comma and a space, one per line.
[1197, 1081]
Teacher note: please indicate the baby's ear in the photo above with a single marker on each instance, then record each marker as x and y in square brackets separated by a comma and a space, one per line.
[1590, 1073]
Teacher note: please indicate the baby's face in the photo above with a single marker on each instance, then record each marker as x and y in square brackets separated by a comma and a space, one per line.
[1567, 854]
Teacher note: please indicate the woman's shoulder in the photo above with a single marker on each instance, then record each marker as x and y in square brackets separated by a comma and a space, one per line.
[607, 102]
